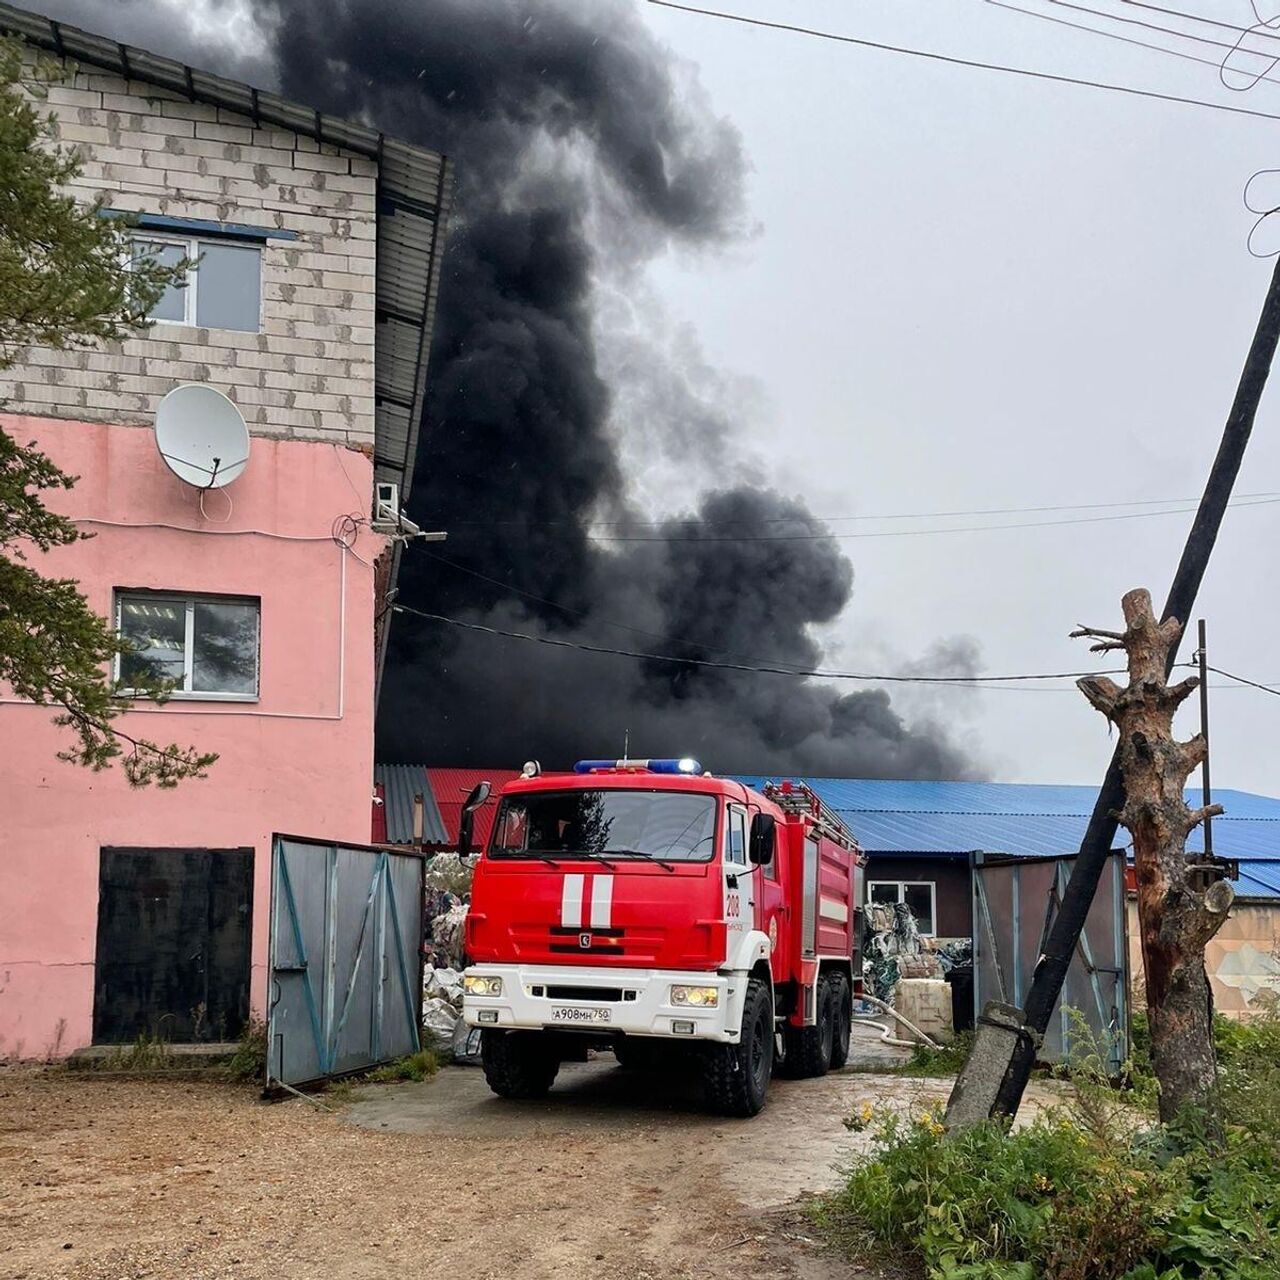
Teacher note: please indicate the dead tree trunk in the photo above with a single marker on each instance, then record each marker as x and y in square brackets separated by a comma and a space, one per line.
[1176, 918]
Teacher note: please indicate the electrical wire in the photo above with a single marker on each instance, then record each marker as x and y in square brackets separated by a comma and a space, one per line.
[1253, 684]
[916, 533]
[633, 523]
[971, 63]
[956, 681]
[1129, 40]
[1192, 17]
[1152, 26]
[590, 617]
[345, 526]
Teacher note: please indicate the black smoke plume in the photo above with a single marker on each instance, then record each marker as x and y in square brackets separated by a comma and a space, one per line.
[582, 147]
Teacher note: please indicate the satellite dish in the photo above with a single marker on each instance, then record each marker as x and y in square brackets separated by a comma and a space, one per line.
[201, 436]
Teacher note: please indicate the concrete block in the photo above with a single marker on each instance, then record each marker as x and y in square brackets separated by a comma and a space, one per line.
[926, 1002]
[181, 109]
[335, 164]
[166, 127]
[62, 95]
[274, 138]
[73, 133]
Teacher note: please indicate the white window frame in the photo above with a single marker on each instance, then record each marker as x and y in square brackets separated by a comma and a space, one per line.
[731, 864]
[189, 601]
[190, 246]
[901, 886]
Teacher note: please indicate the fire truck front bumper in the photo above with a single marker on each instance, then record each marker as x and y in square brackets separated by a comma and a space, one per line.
[635, 1002]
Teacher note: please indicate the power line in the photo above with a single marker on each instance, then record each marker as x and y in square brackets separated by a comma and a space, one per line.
[1196, 17]
[972, 63]
[1216, 64]
[954, 681]
[586, 615]
[1253, 684]
[698, 644]
[635, 523]
[914, 533]
[1230, 46]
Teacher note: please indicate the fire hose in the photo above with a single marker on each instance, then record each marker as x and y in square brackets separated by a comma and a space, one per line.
[893, 1013]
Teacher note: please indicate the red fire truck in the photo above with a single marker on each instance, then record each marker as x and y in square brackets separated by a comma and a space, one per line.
[642, 905]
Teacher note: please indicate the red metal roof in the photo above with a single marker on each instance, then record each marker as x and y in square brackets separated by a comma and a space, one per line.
[452, 786]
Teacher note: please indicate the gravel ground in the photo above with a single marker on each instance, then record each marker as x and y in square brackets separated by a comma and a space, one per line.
[611, 1177]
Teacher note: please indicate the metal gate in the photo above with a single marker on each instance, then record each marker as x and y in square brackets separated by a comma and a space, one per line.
[346, 958]
[1015, 901]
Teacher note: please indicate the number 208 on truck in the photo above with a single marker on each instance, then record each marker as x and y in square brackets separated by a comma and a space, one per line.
[677, 919]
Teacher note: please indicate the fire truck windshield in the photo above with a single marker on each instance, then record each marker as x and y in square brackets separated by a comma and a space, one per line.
[659, 825]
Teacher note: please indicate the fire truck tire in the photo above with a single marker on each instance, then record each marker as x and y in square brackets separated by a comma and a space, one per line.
[809, 1049]
[843, 1022]
[736, 1076]
[518, 1064]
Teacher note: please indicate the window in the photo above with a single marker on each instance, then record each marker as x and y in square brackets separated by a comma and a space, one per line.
[735, 845]
[588, 823]
[919, 895]
[223, 290]
[207, 645]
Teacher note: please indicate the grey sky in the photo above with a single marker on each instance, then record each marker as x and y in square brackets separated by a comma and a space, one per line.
[972, 291]
[968, 291]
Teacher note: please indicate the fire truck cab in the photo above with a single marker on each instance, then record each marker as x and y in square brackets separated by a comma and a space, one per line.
[639, 906]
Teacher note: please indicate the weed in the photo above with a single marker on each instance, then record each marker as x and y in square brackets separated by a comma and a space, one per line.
[340, 1091]
[148, 1053]
[249, 1062]
[946, 1061]
[417, 1066]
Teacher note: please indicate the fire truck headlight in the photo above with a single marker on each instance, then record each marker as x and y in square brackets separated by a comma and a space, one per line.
[696, 997]
[477, 985]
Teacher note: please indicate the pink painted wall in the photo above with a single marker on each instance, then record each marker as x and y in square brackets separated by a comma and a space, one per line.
[299, 760]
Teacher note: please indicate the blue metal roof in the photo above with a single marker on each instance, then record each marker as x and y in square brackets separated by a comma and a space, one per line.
[957, 818]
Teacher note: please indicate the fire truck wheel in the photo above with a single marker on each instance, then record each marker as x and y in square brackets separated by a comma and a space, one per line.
[843, 1022]
[518, 1064]
[736, 1076]
[809, 1049]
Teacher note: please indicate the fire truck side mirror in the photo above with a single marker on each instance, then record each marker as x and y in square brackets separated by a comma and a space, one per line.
[466, 823]
[760, 850]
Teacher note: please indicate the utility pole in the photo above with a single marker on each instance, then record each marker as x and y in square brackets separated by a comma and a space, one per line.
[1004, 1052]
[1202, 656]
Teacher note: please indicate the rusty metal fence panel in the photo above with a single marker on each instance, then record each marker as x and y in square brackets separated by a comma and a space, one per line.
[1015, 901]
[345, 979]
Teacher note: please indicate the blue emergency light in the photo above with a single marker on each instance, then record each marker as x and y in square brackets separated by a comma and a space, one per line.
[687, 765]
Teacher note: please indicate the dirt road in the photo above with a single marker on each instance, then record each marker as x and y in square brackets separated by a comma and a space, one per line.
[610, 1177]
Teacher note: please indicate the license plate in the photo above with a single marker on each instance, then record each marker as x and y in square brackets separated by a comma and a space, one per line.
[580, 1013]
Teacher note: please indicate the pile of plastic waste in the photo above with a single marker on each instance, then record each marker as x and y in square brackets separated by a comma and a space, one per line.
[445, 912]
[893, 949]
[446, 932]
[442, 1026]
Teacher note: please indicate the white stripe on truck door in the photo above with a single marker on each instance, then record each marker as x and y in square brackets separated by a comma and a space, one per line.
[601, 902]
[571, 903]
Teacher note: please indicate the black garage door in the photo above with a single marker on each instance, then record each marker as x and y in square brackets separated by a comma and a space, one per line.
[173, 945]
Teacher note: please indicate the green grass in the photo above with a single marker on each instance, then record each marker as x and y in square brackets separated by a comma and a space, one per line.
[248, 1065]
[945, 1061]
[1094, 1189]
[417, 1066]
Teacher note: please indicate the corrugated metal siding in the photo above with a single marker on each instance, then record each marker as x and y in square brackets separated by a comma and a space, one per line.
[452, 786]
[400, 783]
[957, 818]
